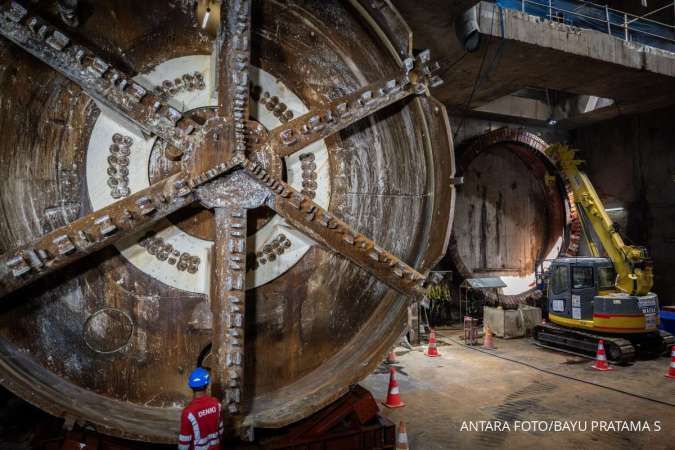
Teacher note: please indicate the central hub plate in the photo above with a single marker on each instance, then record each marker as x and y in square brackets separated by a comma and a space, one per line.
[236, 188]
[216, 145]
[198, 221]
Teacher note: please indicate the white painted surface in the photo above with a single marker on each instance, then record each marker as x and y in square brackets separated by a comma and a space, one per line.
[517, 285]
[99, 192]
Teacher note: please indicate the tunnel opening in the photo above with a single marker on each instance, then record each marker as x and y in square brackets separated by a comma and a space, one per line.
[513, 212]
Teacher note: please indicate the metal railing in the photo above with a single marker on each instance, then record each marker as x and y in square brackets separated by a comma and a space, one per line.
[628, 27]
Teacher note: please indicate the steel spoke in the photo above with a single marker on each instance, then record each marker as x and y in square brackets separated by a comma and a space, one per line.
[414, 78]
[228, 276]
[111, 88]
[233, 50]
[98, 229]
[324, 228]
[228, 300]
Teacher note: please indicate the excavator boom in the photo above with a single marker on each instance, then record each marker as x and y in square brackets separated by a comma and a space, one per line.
[632, 264]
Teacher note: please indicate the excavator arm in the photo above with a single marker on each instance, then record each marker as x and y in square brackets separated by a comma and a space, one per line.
[632, 264]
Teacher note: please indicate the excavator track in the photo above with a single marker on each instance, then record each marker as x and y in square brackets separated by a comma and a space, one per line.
[618, 350]
[668, 341]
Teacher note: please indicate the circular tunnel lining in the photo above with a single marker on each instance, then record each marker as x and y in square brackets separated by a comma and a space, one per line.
[513, 211]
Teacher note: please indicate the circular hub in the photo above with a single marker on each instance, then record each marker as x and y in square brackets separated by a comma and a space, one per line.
[190, 231]
[196, 220]
[214, 147]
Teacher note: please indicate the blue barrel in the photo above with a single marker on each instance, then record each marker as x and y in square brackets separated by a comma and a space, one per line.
[667, 321]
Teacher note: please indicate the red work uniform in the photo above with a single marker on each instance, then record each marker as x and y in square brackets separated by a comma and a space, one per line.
[201, 425]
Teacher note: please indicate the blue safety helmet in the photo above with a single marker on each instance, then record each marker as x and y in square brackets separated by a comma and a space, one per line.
[199, 378]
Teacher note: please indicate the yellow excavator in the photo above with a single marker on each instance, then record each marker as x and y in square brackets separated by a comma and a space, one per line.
[603, 296]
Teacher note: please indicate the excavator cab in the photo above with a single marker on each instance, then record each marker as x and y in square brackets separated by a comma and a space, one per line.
[581, 294]
[573, 284]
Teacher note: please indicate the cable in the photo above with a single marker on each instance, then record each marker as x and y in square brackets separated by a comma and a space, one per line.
[550, 372]
[477, 80]
[480, 76]
[473, 91]
[457, 61]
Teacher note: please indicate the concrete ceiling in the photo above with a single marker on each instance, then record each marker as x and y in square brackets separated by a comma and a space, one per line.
[536, 53]
[432, 23]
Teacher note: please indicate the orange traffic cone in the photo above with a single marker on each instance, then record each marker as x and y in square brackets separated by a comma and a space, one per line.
[431, 351]
[600, 358]
[391, 358]
[393, 396]
[671, 369]
[402, 441]
[487, 340]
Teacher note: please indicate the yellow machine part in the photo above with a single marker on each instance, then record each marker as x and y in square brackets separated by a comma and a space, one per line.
[606, 323]
[630, 279]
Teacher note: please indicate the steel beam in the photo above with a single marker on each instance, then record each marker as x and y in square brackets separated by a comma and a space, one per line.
[415, 77]
[228, 277]
[228, 305]
[327, 230]
[90, 233]
[233, 50]
[97, 77]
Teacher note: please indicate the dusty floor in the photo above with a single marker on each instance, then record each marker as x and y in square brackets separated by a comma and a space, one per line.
[465, 385]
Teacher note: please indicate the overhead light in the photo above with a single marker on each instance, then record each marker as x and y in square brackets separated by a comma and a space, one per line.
[205, 21]
[620, 208]
[551, 121]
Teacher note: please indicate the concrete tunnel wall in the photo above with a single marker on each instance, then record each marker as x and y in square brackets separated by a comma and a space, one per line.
[631, 161]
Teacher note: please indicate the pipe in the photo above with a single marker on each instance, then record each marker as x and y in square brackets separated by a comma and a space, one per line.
[467, 30]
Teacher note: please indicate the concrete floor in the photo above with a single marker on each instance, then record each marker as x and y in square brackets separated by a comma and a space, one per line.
[465, 384]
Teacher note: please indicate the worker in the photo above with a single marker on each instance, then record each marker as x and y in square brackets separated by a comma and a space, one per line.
[201, 423]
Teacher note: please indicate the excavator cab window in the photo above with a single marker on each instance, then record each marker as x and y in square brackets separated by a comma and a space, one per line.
[606, 278]
[582, 277]
[560, 279]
